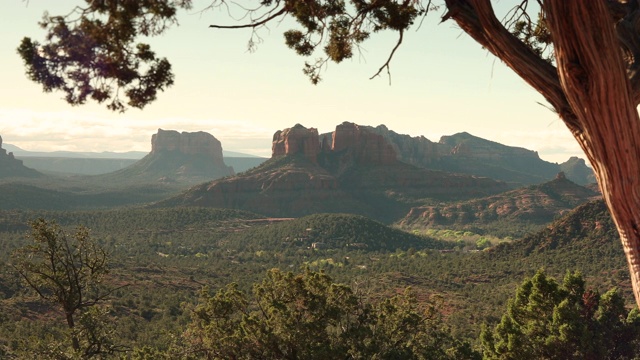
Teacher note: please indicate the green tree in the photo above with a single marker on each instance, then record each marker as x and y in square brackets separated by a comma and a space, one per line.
[547, 320]
[91, 52]
[582, 59]
[68, 271]
[308, 316]
[483, 243]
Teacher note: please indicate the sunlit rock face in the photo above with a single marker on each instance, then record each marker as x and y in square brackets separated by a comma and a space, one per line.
[354, 143]
[296, 140]
[350, 170]
[364, 145]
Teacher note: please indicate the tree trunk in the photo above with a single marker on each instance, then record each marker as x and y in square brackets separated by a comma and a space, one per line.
[74, 339]
[593, 76]
[590, 91]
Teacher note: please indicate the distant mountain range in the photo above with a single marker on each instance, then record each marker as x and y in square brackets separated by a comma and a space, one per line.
[355, 169]
[132, 155]
[96, 163]
[468, 154]
[358, 169]
[458, 153]
[359, 172]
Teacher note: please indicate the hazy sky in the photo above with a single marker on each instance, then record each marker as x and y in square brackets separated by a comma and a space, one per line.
[442, 83]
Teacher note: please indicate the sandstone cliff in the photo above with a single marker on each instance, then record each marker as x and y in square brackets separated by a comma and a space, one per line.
[354, 144]
[189, 157]
[354, 170]
[362, 145]
[296, 140]
[197, 143]
[418, 151]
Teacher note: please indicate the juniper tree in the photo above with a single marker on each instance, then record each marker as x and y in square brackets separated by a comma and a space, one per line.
[551, 320]
[67, 271]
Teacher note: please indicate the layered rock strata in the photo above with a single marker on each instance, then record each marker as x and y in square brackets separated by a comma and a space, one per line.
[188, 143]
[187, 157]
[351, 141]
[352, 170]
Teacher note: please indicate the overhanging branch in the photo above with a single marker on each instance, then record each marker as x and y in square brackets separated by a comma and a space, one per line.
[252, 25]
[388, 62]
[477, 18]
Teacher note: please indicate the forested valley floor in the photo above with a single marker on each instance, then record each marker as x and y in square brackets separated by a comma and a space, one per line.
[161, 259]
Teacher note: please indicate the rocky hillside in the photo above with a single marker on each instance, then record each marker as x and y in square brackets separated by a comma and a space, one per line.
[533, 205]
[177, 157]
[468, 154]
[10, 167]
[588, 225]
[576, 168]
[355, 170]
[584, 239]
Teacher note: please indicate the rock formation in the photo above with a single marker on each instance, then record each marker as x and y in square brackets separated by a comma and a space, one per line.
[183, 157]
[352, 170]
[12, 167]
[466, 145]
[351, 142]
[296, 140]
[577, 170]
[468, 154]
[188, 143]
[363, 145]
[418, 150]
[535, 205]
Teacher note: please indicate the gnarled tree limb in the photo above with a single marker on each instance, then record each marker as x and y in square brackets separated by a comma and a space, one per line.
[477, 19]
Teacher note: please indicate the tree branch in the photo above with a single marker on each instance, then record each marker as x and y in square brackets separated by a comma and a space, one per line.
[477, 18]
[386, 64]
[252, 25]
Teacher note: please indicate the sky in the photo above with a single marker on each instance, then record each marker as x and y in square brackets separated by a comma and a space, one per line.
[442, 83]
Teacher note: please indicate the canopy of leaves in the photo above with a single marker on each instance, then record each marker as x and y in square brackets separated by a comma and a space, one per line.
[308, 316]
[92, 52]
[547, 320]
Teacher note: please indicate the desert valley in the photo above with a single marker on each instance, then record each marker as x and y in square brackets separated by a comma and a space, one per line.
[461, 222]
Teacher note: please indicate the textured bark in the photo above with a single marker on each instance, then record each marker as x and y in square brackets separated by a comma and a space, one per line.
[594, 89]
[594, 78]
